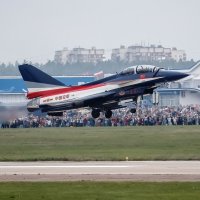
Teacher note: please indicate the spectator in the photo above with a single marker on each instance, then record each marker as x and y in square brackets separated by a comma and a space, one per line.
[181, 115]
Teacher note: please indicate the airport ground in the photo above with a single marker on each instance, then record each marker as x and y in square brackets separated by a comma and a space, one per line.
[100, 191]
[101, 144]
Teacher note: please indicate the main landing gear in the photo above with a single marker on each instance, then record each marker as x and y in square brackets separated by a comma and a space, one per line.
[108, 114]
[133, 110]
[96, 113]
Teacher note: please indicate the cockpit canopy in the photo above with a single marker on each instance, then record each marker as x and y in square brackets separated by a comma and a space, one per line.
[140, 69]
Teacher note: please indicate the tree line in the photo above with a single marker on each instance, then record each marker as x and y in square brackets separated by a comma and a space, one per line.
[109, 66]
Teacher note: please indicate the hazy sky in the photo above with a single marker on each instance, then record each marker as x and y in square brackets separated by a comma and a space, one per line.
[34, 29]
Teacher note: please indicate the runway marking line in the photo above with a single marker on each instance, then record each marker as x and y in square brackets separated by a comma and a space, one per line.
[71, 166]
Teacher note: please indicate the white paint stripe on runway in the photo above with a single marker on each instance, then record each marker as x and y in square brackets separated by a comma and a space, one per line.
[64, 166]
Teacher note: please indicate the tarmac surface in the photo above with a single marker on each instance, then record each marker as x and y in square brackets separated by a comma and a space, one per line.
[101, 171]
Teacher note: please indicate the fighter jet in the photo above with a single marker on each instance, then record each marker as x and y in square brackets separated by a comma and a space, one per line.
[52, 96]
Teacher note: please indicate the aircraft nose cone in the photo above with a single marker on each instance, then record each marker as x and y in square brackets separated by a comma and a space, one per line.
[180, 75]
[172, 75]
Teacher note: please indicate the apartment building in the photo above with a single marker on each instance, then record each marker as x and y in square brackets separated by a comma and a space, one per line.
[147, 53]
[81, 55]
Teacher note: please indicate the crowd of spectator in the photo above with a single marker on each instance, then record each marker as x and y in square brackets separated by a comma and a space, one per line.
[145, 116]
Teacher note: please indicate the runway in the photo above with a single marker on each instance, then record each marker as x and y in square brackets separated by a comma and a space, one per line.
[101, 171]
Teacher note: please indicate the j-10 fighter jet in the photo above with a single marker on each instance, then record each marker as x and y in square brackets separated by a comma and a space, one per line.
[54, 97]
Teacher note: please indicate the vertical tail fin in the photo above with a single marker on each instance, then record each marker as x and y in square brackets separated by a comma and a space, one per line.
[37, 80]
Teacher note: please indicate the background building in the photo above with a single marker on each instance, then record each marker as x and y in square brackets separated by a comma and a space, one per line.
[178, 54]
[147, 53]
[13, 91]
[79, 55]
[130, 54]
[183, 92]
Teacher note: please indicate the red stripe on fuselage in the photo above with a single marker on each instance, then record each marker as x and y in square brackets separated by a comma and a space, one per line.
[47, 93]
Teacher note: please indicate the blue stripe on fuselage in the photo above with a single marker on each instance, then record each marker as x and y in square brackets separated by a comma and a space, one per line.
[120, 77]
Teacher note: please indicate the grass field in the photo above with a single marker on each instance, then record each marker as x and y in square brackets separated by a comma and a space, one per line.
[109, 143]
[100, 190]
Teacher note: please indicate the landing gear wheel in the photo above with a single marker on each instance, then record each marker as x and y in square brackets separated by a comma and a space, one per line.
[133, 110]
[108, 114]
[95, 113]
